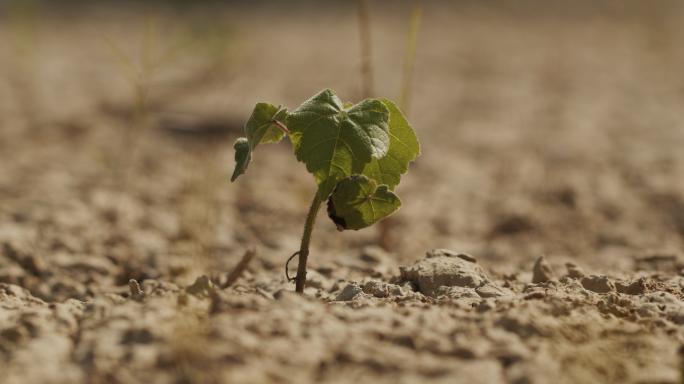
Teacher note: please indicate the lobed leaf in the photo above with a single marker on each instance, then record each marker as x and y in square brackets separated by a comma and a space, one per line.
[358, 202]
[259, 129]
[403, 149]
[336, 141]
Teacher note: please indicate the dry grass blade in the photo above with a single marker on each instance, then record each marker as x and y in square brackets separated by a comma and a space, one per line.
[241, 267]
[366, 53]
[123, 62]
[410, 57]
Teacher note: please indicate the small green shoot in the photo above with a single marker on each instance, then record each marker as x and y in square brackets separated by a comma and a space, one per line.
[356, 153]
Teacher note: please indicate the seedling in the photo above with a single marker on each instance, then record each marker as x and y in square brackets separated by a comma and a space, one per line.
[356, 153]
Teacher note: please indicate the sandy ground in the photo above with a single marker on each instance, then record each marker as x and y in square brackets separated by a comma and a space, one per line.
[545, 129]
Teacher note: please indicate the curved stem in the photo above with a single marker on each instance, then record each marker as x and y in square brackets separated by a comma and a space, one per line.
[300, 279]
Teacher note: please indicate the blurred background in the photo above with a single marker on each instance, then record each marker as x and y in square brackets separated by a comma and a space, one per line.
[546, 128]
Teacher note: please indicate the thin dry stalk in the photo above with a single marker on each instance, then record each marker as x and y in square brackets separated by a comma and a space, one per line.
[367, 89]
[386, 239]
[241, 267]
[410, 57]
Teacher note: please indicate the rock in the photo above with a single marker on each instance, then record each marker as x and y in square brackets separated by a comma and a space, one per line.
[633, 288]
[542, 271]
[575, 271]
[615, 305]
[379, 289]
[566, 289]
[408, 286]
[443, 268]
[598, 284]
[201, 287]
[490, 290]
[351, 292]
[445, 292]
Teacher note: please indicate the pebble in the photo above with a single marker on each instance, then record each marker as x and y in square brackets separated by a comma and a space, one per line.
[598, 284]
[542, 271]
[575, 270]
[440, 268]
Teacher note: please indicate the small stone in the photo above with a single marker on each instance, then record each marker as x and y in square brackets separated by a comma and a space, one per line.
[633, 288]
[598, 284]
[456, 293]
[381, 290]
[409, 286]
[542, 271]
[136, 293]
[135, 287]
[350, 292]
[575, 270]
[201, 287]
[440, 268]
[489, 290]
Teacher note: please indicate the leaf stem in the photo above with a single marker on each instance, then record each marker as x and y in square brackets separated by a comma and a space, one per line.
[281, 126]
[300, 279]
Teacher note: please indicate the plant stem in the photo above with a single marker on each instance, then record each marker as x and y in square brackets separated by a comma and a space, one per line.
[306, 239]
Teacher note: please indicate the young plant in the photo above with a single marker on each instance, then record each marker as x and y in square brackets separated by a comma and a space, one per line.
[356, 153]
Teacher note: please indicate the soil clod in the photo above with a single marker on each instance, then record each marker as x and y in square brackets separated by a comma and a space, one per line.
[542, 271]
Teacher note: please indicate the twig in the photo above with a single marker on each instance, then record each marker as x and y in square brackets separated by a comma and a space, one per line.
[240, 268]
[286, 270]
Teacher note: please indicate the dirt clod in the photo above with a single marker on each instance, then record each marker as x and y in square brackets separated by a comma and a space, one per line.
[542, 271]
[634, 288]
[575, 270]
[443, 268]
[598, 284]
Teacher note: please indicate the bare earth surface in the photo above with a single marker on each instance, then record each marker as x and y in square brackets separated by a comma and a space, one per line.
[545, 130]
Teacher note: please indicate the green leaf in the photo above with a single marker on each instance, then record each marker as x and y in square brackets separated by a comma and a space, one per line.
[243, 155]
[358, 202]
[335, 142]
[259, 129]
[403, 149]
